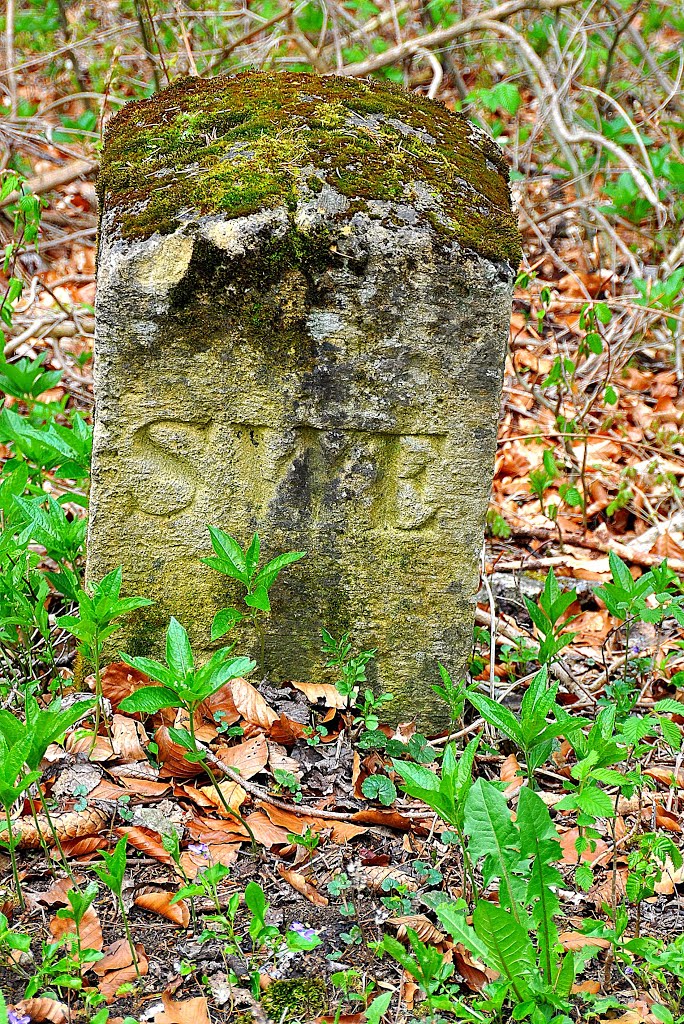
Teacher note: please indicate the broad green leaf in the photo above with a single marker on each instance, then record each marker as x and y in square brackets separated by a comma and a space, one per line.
[510, 949]
[377, 1009]
[178, 651]
[230, 559]
[259, 599]
[497, 715]
[267, 576]
[223, 622]
[150, 699]
[454, 921]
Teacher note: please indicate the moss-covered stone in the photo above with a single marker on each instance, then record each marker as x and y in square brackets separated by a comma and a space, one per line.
[237, 145]
[295, 999]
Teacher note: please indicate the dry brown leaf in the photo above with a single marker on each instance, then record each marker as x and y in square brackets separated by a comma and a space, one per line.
[216, 830]
[57, 893]
[221, 701]
[187, 1011]
[278, 757]
[374, 877]
[159, 902]
[120, 680]
[90, 930]
[314, 692]
[249, 757]
[83, 848]
[147, 841]
[421, 925]
[102, 750]
[217, 853]
[666, 775]
[593, 987]
[575, 941]
[303, 886]
[43, 1009]
[172, 757]
[145, 787]
[117, 968]
[667, 819]
[251, 705]
[340, 831]
[474, 973]
[128, 737]
[233, 794]
[570, 854]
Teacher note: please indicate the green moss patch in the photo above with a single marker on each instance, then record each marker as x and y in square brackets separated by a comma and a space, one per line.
[236, 145]
[296, 999]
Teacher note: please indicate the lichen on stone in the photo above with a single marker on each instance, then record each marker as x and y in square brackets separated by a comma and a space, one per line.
[295, 1000]
[237, 145]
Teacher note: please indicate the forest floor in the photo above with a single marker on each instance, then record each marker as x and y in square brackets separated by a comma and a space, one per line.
[587, 493]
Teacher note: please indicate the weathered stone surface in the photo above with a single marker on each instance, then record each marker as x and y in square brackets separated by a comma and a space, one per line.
[311, 345]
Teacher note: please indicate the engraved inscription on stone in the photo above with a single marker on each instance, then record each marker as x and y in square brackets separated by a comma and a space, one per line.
[397, 476]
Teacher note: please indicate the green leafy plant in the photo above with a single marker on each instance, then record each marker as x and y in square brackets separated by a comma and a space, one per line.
[111, 873]
[96, 622]
[185, 686]
[531, 732]
[242, 565]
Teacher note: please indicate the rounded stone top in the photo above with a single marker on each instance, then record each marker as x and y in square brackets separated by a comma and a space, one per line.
[240, 144]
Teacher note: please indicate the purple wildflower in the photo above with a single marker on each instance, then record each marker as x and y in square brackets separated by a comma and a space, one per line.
[303, 931]
[15, 1018]
[201, 849]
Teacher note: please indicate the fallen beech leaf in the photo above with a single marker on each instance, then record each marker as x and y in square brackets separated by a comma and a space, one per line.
[421, 925]
[120, 680]
[57, 893]
[127, 739]
[303, 886]
[187, 1011]
[475, 974]
[106, 790]
[159, 902]
[116, 967]
[147, 841]
[233, 794]
[287, 731]
[145, 787]
[267, 833]
[90, 930]
[374, 877]
[671, 877]
[340, 831]
[665, 775]
[221, 701]
[172, 757]
[217, 853]
[575, 940]
[667, 819]
[570, 854]
[389, 819]
[592, 987]
[101, 751]
[251, 705]
[43, 1009]
[249, 757]
[330, 695]
[278, 757]
[83, 848]
[216, 830]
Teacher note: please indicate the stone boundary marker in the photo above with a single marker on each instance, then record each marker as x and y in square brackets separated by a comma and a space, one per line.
[304, 292]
